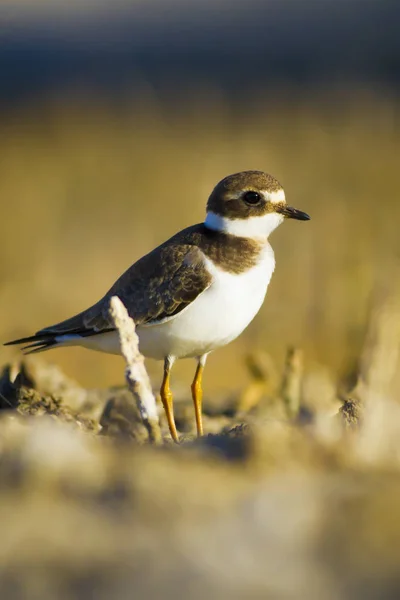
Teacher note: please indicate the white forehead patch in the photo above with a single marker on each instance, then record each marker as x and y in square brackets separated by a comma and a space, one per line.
[275, 197]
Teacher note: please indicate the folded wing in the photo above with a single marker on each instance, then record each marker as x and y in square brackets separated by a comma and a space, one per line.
[154, 289]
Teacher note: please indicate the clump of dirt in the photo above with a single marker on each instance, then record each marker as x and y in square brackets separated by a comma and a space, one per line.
[121, 418]
[351, 412]
[20, 390]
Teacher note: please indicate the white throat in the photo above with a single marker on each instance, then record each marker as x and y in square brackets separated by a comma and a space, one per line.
[252, 227]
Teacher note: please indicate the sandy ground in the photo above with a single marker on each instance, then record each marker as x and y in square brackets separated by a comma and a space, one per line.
[262, 507]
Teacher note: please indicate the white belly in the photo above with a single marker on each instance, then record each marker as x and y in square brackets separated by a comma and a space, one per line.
[214, 319]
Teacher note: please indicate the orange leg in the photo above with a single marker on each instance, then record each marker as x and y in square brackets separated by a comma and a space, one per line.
[167, 400]
[197, 394]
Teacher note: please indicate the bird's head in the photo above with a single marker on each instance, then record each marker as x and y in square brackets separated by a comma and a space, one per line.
[249, 204]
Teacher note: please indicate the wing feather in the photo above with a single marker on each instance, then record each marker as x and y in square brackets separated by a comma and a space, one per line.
[157, 287]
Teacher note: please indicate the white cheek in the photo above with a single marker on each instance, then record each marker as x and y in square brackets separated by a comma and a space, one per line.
[252, 227]
[270, 222]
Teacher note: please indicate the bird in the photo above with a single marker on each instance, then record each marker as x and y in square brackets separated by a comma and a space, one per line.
[195, 292]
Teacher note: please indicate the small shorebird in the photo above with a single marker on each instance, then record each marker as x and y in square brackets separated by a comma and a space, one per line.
[197, 291]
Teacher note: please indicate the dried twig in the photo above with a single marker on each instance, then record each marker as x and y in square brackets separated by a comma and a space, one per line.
[263, 375]
[380, 355]
[135, 372]
[291, 381]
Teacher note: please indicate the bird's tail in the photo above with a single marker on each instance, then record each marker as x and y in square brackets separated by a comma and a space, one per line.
[42, 341]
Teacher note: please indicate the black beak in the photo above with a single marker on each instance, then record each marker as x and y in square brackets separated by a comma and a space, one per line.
[292, 213]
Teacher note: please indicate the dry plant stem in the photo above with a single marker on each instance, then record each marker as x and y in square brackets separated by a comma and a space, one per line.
[380, 354]
[135, 373]
[262, 372]
[291, 381]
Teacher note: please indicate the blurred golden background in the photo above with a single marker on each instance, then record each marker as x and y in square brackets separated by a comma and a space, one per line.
[116, 121]
[95, 171]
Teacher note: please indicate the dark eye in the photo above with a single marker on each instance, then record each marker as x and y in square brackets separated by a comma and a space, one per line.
[252, 197]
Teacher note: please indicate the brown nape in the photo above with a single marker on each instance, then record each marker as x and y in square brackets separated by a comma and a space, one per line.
[226, 197]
